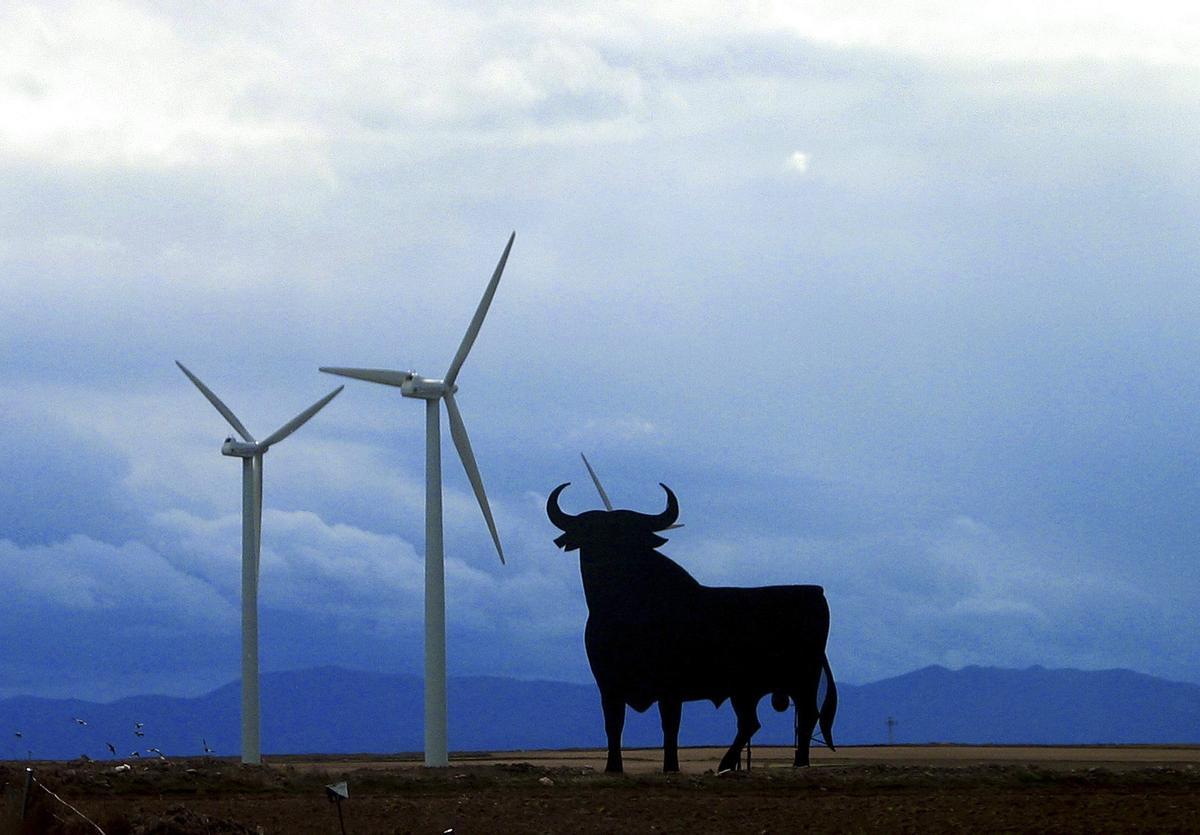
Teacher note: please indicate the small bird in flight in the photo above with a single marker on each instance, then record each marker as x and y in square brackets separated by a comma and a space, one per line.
[80, 722]
[112, 749]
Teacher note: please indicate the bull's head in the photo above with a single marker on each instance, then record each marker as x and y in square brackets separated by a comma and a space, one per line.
[608, 529]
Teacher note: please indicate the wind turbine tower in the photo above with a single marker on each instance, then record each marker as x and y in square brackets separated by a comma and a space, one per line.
[433, 392]
[251, 452]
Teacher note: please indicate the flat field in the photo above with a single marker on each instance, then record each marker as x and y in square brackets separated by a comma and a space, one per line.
[856, 789]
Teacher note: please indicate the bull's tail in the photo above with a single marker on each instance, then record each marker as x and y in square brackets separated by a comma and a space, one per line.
[828, 704]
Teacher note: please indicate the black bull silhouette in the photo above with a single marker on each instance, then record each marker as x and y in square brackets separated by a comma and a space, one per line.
[654, 634]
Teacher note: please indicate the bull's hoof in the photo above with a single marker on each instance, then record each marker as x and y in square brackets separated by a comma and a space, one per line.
[614, 768]
[801, 760]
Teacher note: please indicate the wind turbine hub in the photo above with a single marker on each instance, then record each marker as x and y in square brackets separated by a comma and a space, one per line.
[239, 449]
[425, 389]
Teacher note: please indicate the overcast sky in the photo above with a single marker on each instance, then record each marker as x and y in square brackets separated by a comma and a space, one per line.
[902, 302]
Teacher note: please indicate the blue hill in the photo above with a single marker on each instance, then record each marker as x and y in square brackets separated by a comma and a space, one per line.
[334, 710]
[1031, 706]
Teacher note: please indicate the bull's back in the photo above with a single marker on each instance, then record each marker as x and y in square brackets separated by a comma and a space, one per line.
[770, 606]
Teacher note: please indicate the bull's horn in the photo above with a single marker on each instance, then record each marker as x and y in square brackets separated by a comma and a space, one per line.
[558, 518]
[667, 518]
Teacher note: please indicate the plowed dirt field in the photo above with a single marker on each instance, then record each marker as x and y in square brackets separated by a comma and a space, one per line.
[901, 789]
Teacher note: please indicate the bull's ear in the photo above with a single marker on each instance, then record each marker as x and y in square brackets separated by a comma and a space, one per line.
[567, 542]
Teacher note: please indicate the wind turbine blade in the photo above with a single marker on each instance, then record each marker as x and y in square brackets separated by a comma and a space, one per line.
[300, 419]
[372, 375]
[596, 481]
[225, 411]
[477, 321]
[458, 431]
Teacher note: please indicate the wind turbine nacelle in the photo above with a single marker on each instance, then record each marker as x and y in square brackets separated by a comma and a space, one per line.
[424, 389]
[238, 449]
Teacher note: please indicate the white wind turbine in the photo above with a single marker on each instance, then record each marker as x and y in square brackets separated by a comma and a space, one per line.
[251, 452]
[433, 392]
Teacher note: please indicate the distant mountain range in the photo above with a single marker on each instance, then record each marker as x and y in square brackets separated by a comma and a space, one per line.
[333, 710]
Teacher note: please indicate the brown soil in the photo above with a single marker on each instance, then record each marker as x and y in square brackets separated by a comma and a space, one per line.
[901, 789]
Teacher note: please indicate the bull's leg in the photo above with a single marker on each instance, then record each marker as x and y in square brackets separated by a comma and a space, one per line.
[746, 710]
[669, 711]
[805, 699]
[614, 723]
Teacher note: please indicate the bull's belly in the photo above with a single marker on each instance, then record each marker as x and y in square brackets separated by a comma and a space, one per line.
[648, 662]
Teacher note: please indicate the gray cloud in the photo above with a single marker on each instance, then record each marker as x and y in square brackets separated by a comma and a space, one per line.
[947, 372]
